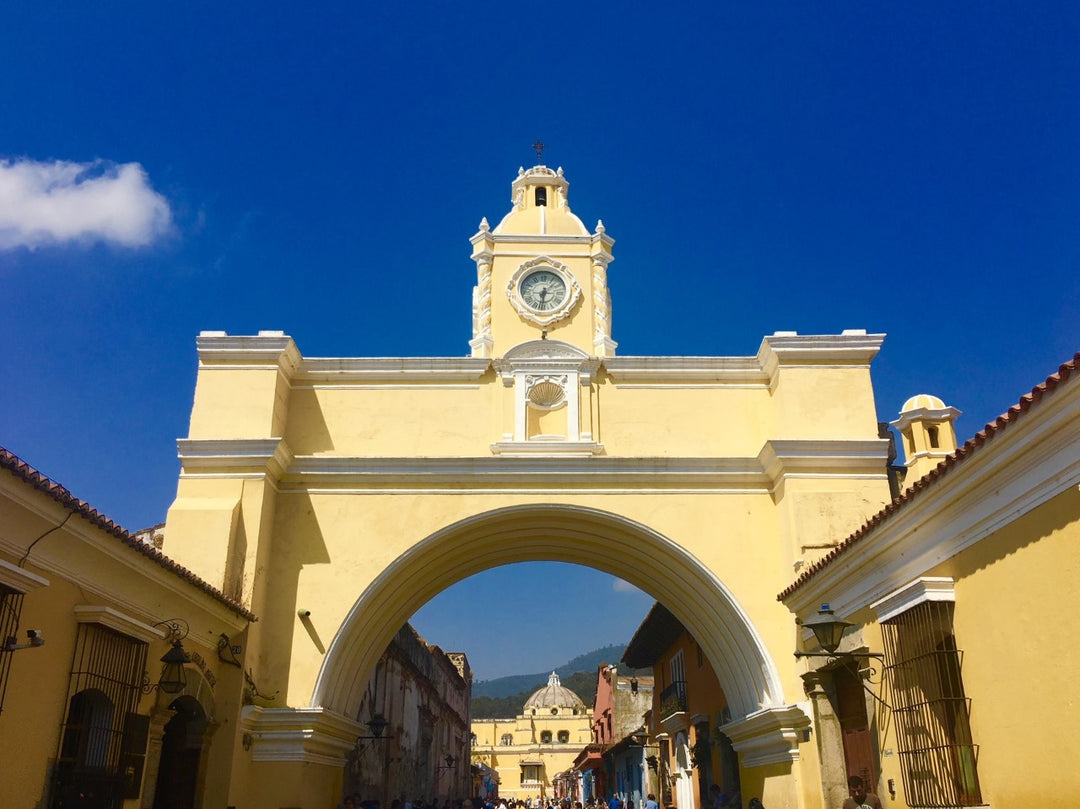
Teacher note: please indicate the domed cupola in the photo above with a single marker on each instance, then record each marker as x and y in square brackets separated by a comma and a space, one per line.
[540, 205]
[554, 698]
[926, 425]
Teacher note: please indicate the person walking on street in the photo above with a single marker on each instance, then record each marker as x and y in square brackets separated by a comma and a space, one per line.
[859, 797]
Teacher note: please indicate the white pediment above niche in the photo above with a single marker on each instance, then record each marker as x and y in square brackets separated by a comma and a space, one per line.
[546, 349]
[551, 382]
[539, 356]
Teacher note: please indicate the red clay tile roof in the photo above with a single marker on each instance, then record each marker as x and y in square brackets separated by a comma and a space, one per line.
[1009, 417]
[22, 470]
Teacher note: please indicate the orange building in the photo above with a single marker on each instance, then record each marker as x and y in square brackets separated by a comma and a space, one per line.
[689, 711]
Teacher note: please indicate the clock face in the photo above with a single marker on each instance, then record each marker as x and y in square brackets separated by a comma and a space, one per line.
[543, 290]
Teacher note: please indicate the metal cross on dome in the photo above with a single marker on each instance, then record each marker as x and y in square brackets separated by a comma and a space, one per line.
[539, 146]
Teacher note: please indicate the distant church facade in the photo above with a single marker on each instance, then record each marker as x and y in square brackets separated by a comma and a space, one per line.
[529, 751]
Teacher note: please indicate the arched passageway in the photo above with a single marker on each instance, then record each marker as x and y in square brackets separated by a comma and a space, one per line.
[578, 535]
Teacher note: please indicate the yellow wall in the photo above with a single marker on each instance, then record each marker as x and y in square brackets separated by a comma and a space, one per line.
[87, 567]
[346, 486]
[994, 535]
[1019, 662]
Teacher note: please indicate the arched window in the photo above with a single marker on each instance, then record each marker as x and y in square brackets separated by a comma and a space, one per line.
[506, 740]
[564, 737]
[541, 196]
[545, 737]
[88, 730]
[103, 739]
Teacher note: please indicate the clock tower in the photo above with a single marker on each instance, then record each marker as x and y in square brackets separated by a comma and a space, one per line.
[542, 314]
[541, 274]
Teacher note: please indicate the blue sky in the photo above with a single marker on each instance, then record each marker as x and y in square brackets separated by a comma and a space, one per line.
[909, 169]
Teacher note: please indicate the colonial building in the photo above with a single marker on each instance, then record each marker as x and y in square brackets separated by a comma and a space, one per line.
[946, 669]
[614, 761]
[531, 749]
[687, 715]
[119, 675]
[417, 745]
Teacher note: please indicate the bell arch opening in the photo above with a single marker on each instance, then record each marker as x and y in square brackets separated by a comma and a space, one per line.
[560, 533]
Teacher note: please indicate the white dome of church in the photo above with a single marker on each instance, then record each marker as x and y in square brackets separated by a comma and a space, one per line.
[554, 695]
[923, 401]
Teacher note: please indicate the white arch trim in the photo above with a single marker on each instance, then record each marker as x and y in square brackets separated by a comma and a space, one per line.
[767, 726]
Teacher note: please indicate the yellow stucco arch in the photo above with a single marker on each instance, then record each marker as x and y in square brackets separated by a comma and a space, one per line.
[551, 532]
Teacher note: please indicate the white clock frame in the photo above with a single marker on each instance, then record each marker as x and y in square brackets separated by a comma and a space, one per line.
[573, 291]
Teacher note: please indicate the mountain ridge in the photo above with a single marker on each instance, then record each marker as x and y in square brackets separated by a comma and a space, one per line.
[503, 697]
[516, 683]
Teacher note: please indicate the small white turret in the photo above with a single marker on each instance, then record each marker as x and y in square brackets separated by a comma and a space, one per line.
[929, 436]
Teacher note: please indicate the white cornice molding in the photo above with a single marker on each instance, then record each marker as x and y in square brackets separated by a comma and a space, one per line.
[19, 580]
[783, 458]
[1017, 470]
[482, 236]
[539, 356]
[604, 346]
[688, 372]
[323, 371]
[927, 588]
[122, 623]
[265, 351]
[543, 351]
[924, 414]
[260, 456]
[554, 448]
[311, 735]
[939, 454]
[851, 348]
[514, 473]
[540, 238]
[602, 244]
[768, 736]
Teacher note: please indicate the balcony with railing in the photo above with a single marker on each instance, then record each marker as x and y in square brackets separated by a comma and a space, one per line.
[673, 707]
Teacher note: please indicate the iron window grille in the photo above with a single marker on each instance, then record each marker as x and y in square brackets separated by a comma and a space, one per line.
[10, 609]
[938, 758]
[103, 740]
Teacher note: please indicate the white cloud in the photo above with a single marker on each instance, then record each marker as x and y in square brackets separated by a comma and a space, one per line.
[48, 203]
[620, 586]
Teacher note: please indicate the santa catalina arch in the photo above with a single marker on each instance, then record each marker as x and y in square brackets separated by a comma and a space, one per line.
[334, 496]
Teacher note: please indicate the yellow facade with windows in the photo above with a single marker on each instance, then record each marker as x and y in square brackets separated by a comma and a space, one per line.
[963, 587]
[87, 611]
[529, 750]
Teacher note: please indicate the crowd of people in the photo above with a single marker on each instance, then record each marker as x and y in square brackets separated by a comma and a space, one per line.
[717, 800]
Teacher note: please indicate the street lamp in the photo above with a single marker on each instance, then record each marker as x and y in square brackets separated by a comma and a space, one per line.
[829, 631]
[377, 724]
[173, 678]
